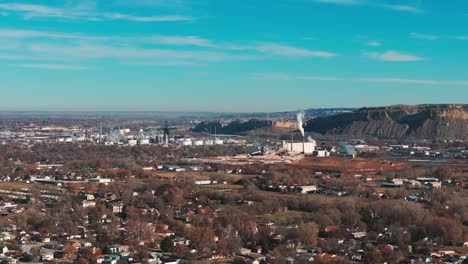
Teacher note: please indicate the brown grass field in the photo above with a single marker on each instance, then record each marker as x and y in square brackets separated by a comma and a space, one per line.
[14, 185]
[348, 165]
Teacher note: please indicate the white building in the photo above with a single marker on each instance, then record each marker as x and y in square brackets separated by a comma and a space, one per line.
[198, 142]
[321, 153]
[308, 189]
[300, 147]
[144, 141]
[88, 204]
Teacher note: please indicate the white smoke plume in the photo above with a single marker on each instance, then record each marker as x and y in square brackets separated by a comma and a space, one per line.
[350, 150]
[310, 139]
[300, 122]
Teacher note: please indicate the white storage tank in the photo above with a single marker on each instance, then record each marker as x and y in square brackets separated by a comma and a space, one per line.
[198, 142]
[132, 142]
[208, 142]
[186, 143]
[144, 141]
[218, 142]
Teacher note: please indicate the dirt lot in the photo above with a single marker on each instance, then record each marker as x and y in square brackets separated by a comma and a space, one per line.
[14, 186]
[348, 165]
[197, 175]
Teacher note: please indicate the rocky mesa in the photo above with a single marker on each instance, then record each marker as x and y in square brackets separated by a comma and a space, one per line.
[441, 121]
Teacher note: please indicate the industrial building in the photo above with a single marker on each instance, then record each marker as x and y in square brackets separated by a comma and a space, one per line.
[307, 148]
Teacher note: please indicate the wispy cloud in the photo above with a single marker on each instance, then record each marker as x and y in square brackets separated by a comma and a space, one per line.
[396, 80]
[393, 56]
[102, 51]
[288, 77]
[118, 16]
[29, 11]
[403, 8]
[366, 40]
[411, 81]
[164, 63]
[158, 3]
[55, 67]
[461, 37]
[182, 40]
[373, 43]
[310, 38]
[16, 57]
[394, 7]
[32, 10]
[423, 36]
[284, 50]
[340, 2]
[24, 34]
[80, 46]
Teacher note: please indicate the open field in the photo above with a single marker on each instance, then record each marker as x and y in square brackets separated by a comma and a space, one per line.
[348, 165]
[197, 175]
[14, 185]
[282, 218]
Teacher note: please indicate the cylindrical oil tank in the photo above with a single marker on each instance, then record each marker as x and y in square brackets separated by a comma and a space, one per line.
[197, 142]
[187, 143]
[144, 141]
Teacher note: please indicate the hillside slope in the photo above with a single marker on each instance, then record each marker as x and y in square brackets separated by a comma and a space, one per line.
[400, 121]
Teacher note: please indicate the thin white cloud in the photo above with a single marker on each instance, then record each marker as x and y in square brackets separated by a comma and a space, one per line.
[37, 9]
[410, 81]
[55, 67]
[157, 3]
[14, 57]
[122, 53]
[423, 36]
[7, 33]
[340, 2]
[394, 7]
[164, 63]
[310, 38]
[235, 47]
[461, 37]
[290, 51]
[23, 34]
[287, 77]
[159, 39]
[84, 46]
[30, 11]
[396, 80]
[174, 18]
[393, 56]
[182, 40]
[268, 48]
[373, 43]
[459, 83]
[402, 8]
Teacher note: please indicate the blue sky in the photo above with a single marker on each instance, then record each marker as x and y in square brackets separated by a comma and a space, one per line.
[231, 55]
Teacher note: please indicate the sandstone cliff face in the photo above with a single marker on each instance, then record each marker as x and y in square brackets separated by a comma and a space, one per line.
[420, 121]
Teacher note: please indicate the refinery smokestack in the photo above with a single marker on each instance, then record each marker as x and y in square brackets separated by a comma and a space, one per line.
[300, 123]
